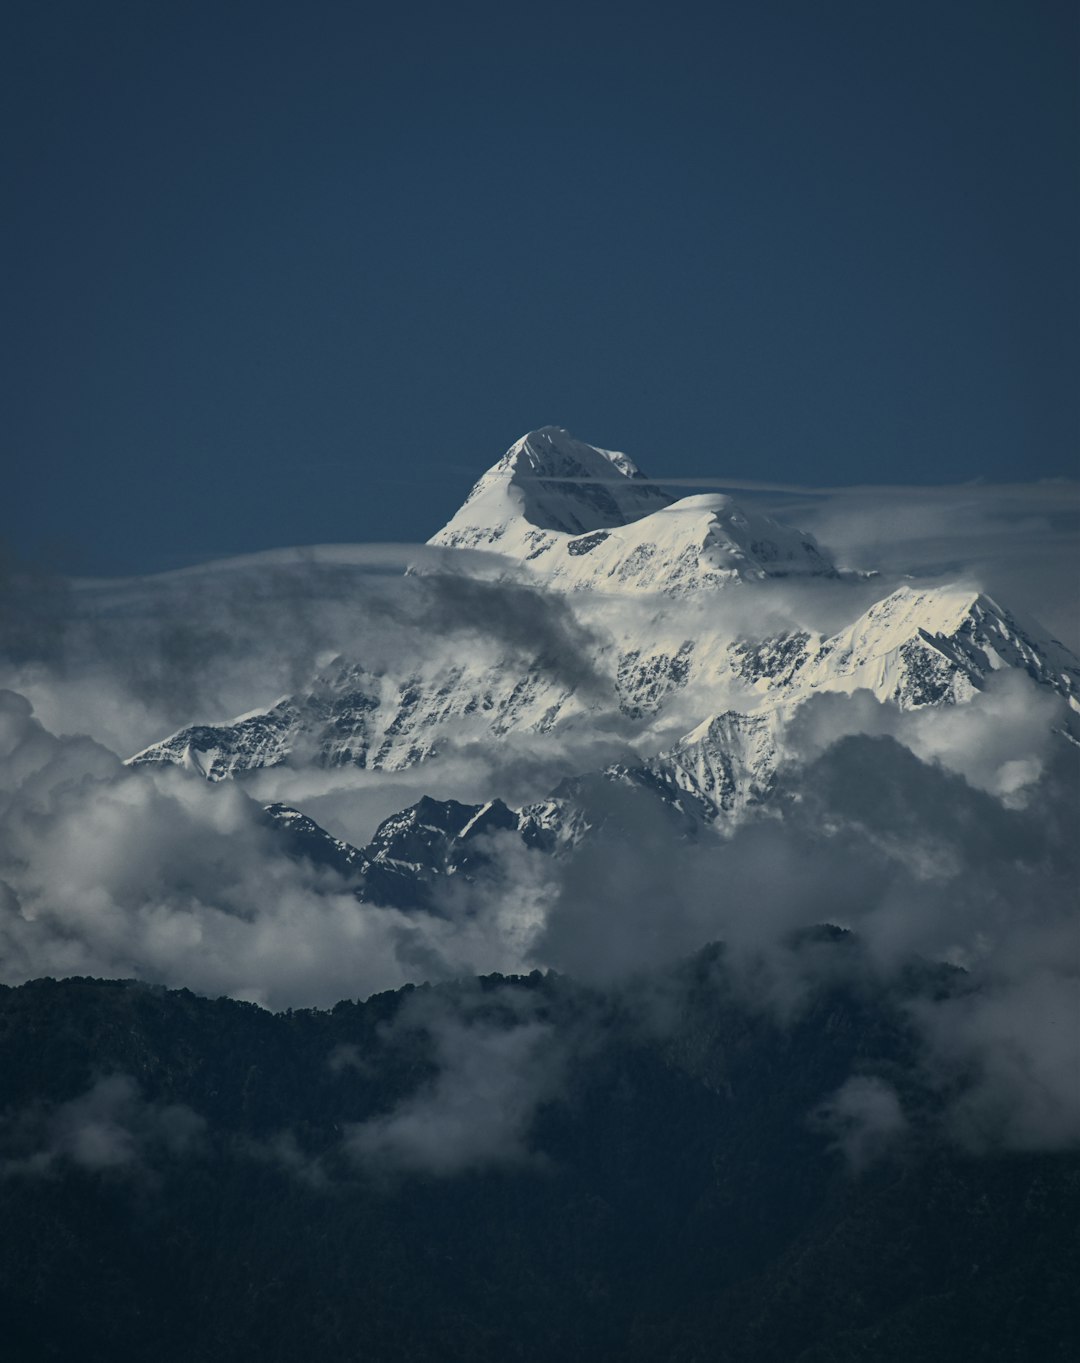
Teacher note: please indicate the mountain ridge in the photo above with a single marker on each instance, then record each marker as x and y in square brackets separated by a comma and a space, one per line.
[915, 647]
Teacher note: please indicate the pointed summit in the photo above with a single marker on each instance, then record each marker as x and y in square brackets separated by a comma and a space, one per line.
[548, 481]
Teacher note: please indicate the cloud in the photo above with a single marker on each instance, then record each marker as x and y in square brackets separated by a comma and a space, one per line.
[131, 660]
[1062, 489]
[904, 852]
[1000, 741]
[110, 1127]
[864, 1117]
[112, 871]
[1018, 543]
[1014, 1047]
[493, 1073]
[284, 1151]
[521, 768]
[526, 622]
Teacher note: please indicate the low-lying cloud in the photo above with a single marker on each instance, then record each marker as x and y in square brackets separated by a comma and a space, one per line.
[477, 1110]
[122, 872]
[130, 661]
[864, 1118]
[109, 1128]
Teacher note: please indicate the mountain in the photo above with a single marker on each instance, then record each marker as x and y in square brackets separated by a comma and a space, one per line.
[703, 703]
[806, 1089]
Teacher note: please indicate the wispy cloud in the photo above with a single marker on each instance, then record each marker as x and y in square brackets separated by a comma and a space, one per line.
[109, 1128]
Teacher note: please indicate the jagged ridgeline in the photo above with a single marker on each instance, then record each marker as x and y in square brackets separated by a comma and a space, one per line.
[705, 707]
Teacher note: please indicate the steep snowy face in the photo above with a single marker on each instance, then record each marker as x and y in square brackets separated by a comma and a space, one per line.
[927, 647]
[695, 543]
[549, 482]
[349, 716]
[583, 518]
[727, 762]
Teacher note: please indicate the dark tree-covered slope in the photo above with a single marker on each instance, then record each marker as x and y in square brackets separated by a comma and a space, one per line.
[650, 1178]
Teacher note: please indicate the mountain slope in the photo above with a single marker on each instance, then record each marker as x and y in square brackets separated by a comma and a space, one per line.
[672, 1197]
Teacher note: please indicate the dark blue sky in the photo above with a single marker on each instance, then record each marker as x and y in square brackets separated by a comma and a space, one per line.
[286, 273]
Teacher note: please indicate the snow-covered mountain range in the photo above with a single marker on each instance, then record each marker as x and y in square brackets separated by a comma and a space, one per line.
[704, 704]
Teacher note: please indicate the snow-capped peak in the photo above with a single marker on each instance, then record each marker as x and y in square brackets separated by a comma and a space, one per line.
[552, 452]
[933, 645]
[548, 481]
